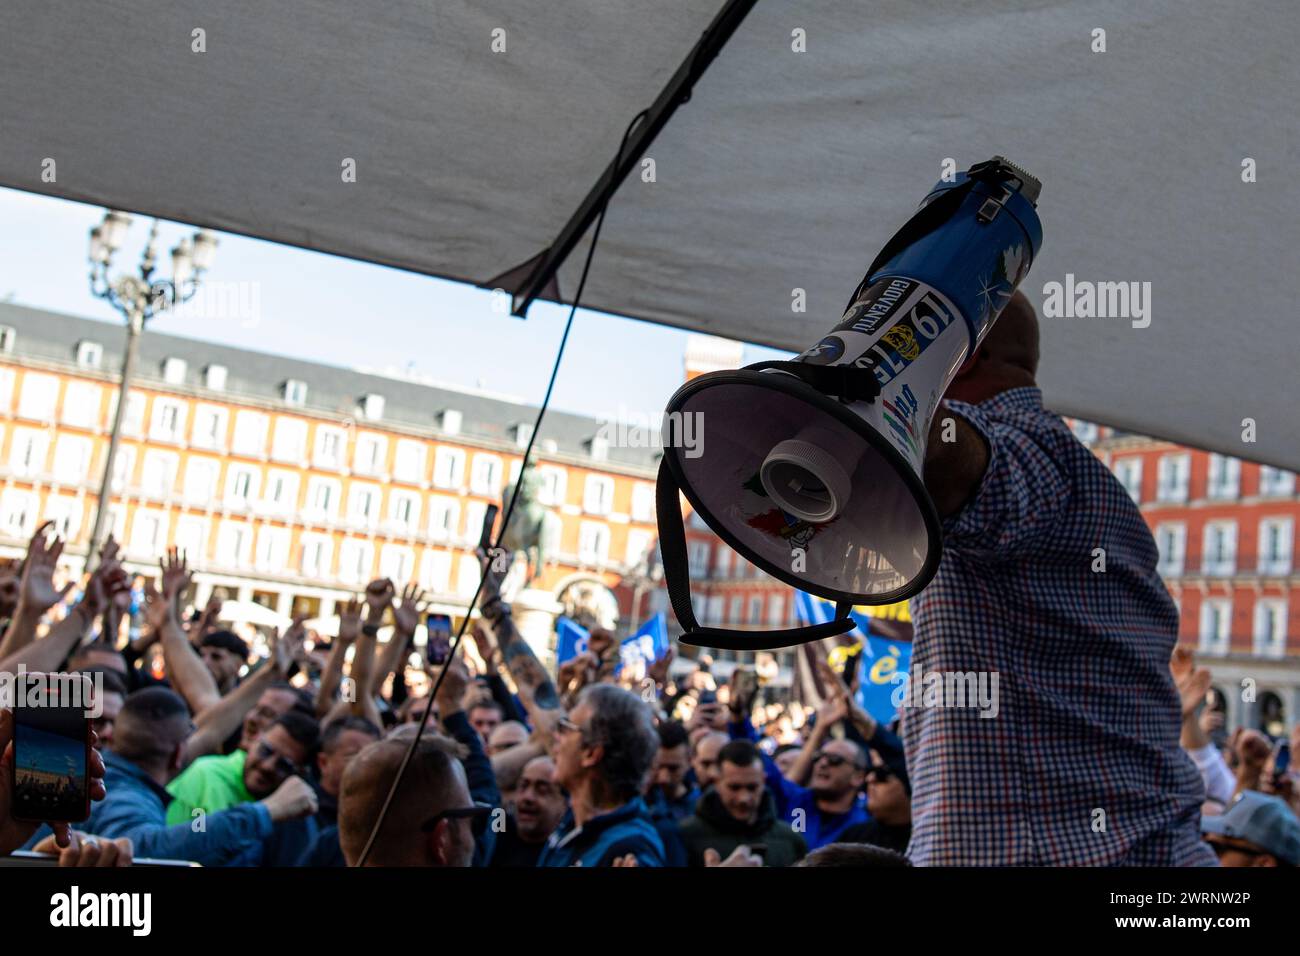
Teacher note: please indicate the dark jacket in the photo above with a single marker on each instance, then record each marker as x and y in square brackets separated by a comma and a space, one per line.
[891, 837]
[626, 829]
[712, 827]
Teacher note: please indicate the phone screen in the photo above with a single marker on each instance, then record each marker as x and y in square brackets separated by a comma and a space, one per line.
[1282, 760]
[52, 748]
[438, 644]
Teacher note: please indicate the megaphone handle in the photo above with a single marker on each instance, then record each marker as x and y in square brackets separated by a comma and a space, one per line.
[672, 547]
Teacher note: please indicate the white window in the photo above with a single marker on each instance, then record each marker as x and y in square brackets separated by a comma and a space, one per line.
[1171, 540]
[1129, 473]
[241, 485]
[1171, 478]
[643, 502]
[449, 421]
[214, 377]
[485, 477]
[697, 558]
[475, 511]
[90, 354]
[191, 538]
[72, 456]
[295, 392]
[713, 609]
[467, 576]
[1220, 548]
[330, 446]
[599, 448]
[323, 496]
[448, 467]
[435, 571]
[551, 490]
[1275, 537]
[408, 462]
[443, 516]
[6, 388]
[174, 371]
[722, 564]
[404, 509]
[317, 552]
[355, 560]
[290, 442]
[17, 513]
[272, 548]
[117, 521]
[201, 479]
[81, 404]
[38, 396]
[1216, 625]
[370, 454]
[27, 451]
[396, 563]
[523, 434]
[65, 512]
[148, 533]
[1224, 477]
[281, 492]
[598, 495]
[233, 542]
[363, 503]
[372, 407]
[1276, 481]
[158, 473]
[7, 338]
[168, 420]
[133, 420]
[210, 423]
[250, 434]
[1270, 627]
[776, 610]
[755, 615]
[123, 468]
[638, 543]
[734, 609]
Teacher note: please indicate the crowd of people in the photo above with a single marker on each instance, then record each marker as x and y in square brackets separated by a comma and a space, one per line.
[210, 753]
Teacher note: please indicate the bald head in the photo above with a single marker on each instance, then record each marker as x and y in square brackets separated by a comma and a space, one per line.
[1006, 359]
[434, 781]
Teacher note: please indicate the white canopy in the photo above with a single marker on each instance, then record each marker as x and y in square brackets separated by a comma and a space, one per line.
[786, 170]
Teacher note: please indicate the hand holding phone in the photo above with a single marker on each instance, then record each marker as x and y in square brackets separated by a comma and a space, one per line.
[437, 647]
[52, 745]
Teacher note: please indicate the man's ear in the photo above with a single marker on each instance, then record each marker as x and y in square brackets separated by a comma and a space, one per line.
[177, 761]
[593, 755]
[321, 758]
[438, 842]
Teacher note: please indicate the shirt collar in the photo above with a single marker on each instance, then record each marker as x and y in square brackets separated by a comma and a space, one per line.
[1027, 396]
[123, 766]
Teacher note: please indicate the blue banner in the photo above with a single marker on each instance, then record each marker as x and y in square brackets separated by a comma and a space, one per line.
[570, 641]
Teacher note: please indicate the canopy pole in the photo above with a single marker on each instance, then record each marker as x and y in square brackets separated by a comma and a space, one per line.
[526, 284]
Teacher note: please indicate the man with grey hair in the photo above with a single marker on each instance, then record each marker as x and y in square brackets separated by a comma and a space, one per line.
[603, 750]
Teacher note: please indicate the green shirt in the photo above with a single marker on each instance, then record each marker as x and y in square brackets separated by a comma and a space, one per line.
[211, 784]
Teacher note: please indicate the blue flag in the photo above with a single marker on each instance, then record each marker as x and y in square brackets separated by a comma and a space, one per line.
[883, 663]
[570, 641]
[648, 644]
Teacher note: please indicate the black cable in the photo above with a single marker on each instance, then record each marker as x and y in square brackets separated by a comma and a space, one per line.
[510, 508]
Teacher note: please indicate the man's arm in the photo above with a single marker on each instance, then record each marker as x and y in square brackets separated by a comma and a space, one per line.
[224, 717]
[954, 468]
[479, 778]
[332, 675]
[406, 618]
[828, 715]
[36, 590]
[535, 685]
[188, 674]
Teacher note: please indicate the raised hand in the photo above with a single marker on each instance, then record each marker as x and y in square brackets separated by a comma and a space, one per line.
[286, 648]
[37, 592]
[483, 641]
[379, 596]
[156, 607]
[406, 616]
[350, 621]
[1193, 683]
[658, 671]
[175, 574]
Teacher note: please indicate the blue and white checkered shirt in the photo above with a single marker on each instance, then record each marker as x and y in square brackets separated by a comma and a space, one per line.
[1081, 764]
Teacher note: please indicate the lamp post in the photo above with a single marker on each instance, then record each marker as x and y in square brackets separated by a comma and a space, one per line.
[139, 298]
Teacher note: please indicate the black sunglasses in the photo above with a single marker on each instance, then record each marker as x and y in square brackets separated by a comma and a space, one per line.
[880, 774]
[478, 815]
[283, 765]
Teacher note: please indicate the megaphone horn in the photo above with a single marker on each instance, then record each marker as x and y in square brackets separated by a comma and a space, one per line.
[813, 469]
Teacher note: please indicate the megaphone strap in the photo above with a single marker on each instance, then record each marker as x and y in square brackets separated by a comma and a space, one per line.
[848, 383]
[672, 547]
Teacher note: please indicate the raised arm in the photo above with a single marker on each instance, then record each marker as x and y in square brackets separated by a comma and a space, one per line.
[36, 590]
[332, 675]
[379, 595]
[189, 675]
[406, 618]
[530, 677]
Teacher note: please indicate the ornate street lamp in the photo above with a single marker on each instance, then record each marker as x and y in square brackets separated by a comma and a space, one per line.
[139, 298]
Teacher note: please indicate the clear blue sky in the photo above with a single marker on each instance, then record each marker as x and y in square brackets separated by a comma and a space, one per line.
[333, 310]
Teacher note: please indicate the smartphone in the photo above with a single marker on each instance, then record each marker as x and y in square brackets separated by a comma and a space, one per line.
[708, 697]
[52, 732]
[1282, 758]
[489, 522]
[437, 646]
